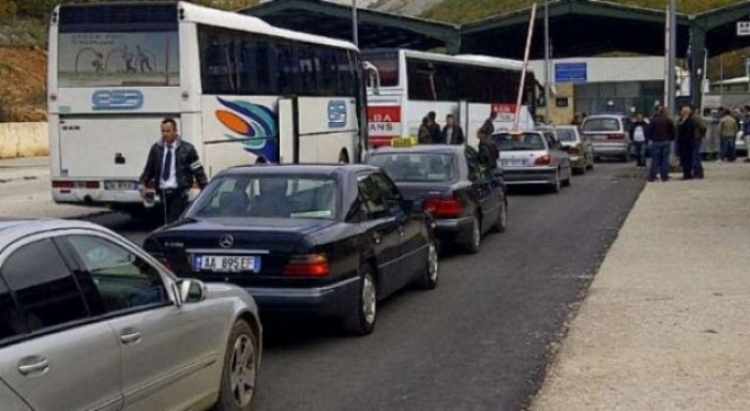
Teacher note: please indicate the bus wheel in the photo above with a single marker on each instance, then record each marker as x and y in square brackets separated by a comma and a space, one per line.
[343, 157]
[261, 160]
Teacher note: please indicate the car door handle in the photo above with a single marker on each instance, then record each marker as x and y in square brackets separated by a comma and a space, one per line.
[130, 337]
[377, 238]
[33, 365]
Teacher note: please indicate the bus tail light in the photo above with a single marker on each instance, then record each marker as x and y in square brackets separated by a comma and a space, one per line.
[67, 184]
[310, 265]
[543, 160]
[441, 207]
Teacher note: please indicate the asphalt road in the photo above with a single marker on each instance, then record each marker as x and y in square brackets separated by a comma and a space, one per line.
[482, 339]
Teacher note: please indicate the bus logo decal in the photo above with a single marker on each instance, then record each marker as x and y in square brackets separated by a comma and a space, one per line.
[116, 100]
[254, 124]
[337, 113]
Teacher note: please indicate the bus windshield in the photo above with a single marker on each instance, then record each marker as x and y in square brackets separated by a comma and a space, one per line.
[386, 62]
[118, 46]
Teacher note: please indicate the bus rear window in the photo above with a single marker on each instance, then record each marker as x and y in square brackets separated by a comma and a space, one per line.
[387, 63]
[118, 46]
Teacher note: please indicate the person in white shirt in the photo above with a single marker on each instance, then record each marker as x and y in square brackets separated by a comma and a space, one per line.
[639, 138]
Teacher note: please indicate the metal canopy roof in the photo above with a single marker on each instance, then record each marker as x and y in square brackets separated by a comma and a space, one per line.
[577, 28]
[720, 27]
[376, 29]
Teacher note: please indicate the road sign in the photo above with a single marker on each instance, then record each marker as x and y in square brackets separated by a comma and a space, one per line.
[571, 72]
[743, 28]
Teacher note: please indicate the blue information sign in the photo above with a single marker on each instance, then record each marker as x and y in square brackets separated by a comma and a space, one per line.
[570, 73]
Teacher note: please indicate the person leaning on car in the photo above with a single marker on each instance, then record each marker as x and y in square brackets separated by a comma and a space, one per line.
[172, 166]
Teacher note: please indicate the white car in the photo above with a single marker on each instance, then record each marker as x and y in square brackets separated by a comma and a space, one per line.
[533, 158]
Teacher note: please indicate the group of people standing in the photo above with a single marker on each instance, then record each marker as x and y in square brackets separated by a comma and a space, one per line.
[430, 131]
[661, 132]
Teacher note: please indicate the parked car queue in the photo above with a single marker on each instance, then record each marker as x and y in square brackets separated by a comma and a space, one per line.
[294, 240]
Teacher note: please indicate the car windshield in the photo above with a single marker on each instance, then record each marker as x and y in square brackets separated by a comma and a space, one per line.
[566, 134]
[268, 196]
[417, 167]
[519, 142]
[601, 124]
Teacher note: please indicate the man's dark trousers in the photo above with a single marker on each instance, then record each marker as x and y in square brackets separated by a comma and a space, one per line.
[175, 202]
[659, 160]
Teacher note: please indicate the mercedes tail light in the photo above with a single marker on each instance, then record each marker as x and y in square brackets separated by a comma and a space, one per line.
[543, 160]
[309, 265]
[443, 207]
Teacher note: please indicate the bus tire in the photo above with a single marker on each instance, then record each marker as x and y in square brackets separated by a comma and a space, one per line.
[343, 157]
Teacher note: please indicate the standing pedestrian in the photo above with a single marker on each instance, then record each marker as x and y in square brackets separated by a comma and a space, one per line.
[746, 131]
[172, 166]
[638, 135]
[452, 132]
[686, 139]
[700, 135]
[488, 152]
[424, 136]
[728, 129]
[435, 131]
[489, 125]
[661, 133]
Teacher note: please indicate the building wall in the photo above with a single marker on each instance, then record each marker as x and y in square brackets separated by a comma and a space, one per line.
[612, 84]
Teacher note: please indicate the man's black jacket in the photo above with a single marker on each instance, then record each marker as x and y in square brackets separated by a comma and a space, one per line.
[187, 166]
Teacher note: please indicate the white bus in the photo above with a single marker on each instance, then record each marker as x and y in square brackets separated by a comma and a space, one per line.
[240, 90]
[413, 83]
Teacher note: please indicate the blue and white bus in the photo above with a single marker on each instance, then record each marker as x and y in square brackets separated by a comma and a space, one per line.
[240, 90]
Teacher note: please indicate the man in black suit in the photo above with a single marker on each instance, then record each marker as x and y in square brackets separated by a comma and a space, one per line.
[452, 132]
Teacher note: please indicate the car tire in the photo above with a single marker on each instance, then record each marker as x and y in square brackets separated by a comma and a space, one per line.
[475, 237]
[237, 374]
[626, 158]
[361, 321]
[429, 279]
[568, 181]
[502, 219]
[556, 185]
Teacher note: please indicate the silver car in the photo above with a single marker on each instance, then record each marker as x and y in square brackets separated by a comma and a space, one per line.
[580, 148]
[88, 321]
[533, 158]
[610, 134]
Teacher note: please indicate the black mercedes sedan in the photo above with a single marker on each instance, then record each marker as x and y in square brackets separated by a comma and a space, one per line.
[322, 240]
[448, 182]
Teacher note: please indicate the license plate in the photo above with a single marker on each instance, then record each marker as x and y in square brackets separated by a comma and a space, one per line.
[226, 263]
[601, 137]
[513, 163]
[120, 185]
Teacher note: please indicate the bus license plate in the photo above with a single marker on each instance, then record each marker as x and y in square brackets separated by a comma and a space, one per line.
[120, 185]
[227, 264]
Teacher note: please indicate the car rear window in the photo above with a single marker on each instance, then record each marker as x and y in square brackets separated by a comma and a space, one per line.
[417, 167]
[519, 142]
[566, 134]
[268, 196]
[601, 124]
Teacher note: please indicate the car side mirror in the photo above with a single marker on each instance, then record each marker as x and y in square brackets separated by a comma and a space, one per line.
[407, 206]
[192, 291]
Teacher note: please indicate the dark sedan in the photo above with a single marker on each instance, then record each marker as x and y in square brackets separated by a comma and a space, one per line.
[304, 239]
[447, 181]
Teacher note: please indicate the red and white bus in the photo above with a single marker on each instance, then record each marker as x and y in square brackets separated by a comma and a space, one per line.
[410, 84]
